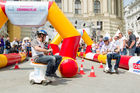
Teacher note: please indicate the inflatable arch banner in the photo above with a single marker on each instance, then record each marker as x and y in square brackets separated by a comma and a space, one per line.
[35, 14]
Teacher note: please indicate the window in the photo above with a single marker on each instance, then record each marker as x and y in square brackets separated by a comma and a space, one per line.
[99, 25]
[117, 11]
[77, 7]
[96, 6]
[59, 3]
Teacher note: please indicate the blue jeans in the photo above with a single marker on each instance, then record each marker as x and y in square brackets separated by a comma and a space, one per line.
[7, 51]
[132, 51]
[124, 52]
[1, 49]
[52, 61]
[28, 51]
[113, 56]
[93, 51]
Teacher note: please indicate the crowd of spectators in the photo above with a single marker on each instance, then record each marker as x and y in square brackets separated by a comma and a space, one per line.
[130, 46]
[15, 46]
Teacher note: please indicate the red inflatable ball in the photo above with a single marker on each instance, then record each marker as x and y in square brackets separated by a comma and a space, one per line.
[68, 68]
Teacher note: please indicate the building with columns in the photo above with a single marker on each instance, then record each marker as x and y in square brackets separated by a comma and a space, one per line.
[100, 16]
[132, 16]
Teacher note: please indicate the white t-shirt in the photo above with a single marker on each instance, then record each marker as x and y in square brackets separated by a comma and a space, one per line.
[121, 42]
[110, 47]
[93, 47]
[36, 42]
[14, 43]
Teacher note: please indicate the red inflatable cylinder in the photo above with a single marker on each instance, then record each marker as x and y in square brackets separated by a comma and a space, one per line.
[70, 46]
[124, 62]
[12, 58]
[88, 49]
[55, 48]
[2, 5]
[95, 58]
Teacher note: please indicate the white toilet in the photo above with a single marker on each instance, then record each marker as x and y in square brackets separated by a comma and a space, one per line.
[38, 75]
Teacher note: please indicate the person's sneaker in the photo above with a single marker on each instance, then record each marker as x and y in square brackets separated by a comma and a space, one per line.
[116, 70]
[50, 78]
[109, 71]
[55, 75]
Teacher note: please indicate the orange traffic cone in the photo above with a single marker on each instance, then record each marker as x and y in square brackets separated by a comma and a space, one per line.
[92, 73]
[101, 65]
[81, 70]
[16, 66]
[83, 59]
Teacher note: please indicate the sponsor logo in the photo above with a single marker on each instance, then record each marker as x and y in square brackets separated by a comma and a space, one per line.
[26, 9]
[136, 66]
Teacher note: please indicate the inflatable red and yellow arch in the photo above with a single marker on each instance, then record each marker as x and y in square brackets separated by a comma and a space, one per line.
[34, 13]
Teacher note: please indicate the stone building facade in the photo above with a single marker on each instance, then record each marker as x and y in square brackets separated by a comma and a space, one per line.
[132, 16]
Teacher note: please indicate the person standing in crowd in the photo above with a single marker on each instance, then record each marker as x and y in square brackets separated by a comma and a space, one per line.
[39, 51]
[112, 52]
[137, 46]
[24, 46]
[94, 47]
[28, 47]
[110, 40]
[8, 45]
[122, 43]
[116, 41]
[2, 44]
[101, 43]
[15, 42]
[20, 46]
[131, 43]
[49, 45]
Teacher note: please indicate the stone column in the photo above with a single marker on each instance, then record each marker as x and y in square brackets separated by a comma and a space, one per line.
[105, 6]
[84, 6]
[70, 6]
[119, 8]
[113, 7]
[90, 6]
[65, 6]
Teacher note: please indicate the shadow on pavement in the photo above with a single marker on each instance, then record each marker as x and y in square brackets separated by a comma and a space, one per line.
[22, 69]
[61, 81]
[86, 70]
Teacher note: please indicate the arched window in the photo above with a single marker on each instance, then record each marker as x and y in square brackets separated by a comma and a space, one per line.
[96, 6]
[77, 7]
[59, 3]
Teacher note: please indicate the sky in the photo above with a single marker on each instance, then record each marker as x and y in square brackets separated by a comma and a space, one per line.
[126, 2]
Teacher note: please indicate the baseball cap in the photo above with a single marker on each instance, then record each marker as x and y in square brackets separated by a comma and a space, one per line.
[106, 38]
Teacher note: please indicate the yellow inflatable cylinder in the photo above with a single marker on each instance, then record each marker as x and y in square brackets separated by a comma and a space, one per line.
[3, 18]
[87, 39]
[57, 40]
[3, 60]
[102, 58]
[23, 56]
[60, 22]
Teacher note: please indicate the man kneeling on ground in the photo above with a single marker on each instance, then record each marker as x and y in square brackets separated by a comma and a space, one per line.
[112, 51]
[39, 51]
